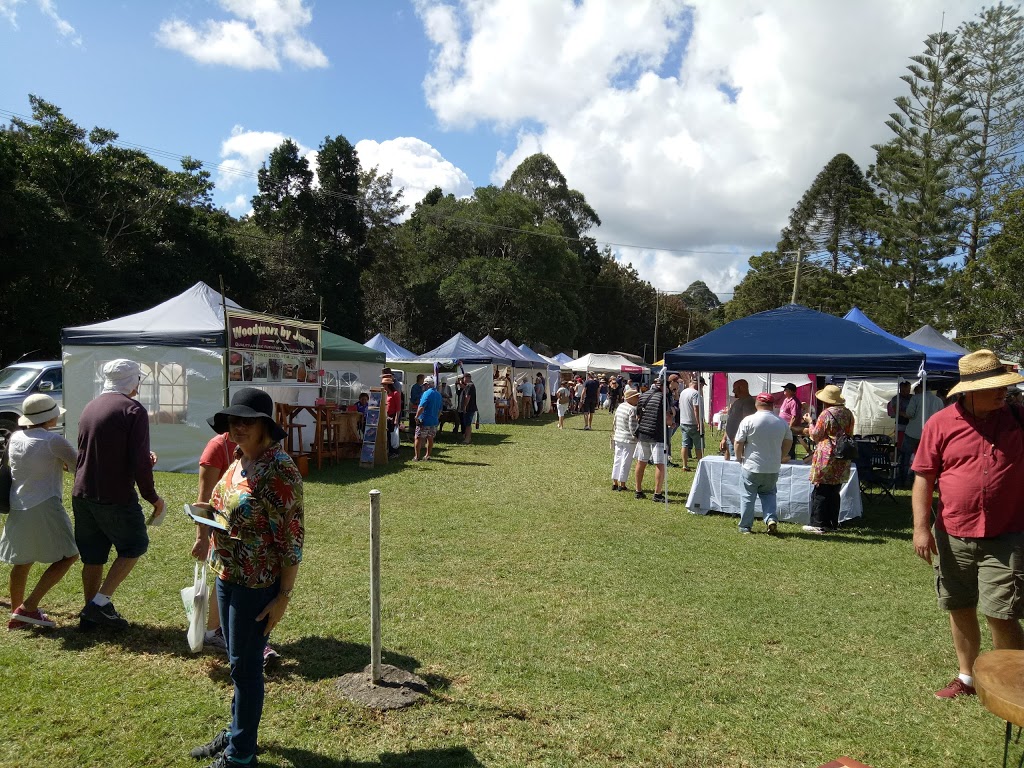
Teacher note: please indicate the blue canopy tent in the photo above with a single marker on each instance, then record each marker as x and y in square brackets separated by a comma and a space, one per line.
[391, 350]
[795, 339]
[476, 361]
[562, 358]
[935, 360]
[501, 355]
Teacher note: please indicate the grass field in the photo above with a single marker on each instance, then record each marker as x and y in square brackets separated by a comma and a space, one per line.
[558, 624]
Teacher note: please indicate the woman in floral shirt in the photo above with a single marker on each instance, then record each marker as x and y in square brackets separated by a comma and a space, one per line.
[827, 471]
[256, 560]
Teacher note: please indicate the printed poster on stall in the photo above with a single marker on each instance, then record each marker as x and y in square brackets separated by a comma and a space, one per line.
[271, 350]
[367, 455]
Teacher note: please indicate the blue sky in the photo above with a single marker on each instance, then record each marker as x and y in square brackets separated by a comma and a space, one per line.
[692, 126]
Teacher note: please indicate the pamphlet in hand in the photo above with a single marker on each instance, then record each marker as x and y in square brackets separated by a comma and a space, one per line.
[205, 517]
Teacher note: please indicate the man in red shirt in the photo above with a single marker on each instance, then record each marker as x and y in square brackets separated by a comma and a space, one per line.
[975, 450]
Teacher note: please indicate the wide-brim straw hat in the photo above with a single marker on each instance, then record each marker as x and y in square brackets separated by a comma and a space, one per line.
[830, 394]
[249, 403]
[39, 409]
[629, 392]
[982, 370]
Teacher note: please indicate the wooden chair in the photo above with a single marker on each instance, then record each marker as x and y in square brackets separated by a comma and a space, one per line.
[283, 417]
[326, 435]
[501, 413]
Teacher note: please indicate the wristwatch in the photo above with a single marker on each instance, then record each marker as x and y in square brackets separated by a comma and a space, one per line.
[285, 593]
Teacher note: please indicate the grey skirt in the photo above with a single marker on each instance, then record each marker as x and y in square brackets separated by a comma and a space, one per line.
[42, 534]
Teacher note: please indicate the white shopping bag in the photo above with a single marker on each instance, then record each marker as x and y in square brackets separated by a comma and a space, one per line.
[197, 603]
[395, 440]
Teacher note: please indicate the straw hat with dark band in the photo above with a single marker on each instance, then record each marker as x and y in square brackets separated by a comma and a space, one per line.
[982, 370]
[831, 394]
[39, 409]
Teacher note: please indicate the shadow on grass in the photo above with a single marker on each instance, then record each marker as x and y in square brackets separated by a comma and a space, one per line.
[138, 638]
[320, 658]
[447, 757]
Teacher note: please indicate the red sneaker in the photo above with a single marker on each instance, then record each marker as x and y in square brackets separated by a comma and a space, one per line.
[34, 618]
[955, 689]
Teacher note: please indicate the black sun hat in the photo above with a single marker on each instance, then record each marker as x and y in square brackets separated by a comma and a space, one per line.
[248, 403]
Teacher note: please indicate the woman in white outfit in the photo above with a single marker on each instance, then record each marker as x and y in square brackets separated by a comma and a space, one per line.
[38, 529]
[624, 427]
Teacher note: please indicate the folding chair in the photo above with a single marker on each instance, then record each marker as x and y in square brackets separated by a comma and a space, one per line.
[875, 468]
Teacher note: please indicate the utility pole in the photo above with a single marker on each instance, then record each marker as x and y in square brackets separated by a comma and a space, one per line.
[796, 275]
[657, 311]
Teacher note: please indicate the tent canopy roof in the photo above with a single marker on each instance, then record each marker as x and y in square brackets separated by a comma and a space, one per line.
[532, 356]
[794, 339]
[391, 350]
[461, 347]
[335, 347]
[493, 347]
[929, 337]
[604, 364]
[563, 358]
[194, 318]
[518, 356]
[935, 359]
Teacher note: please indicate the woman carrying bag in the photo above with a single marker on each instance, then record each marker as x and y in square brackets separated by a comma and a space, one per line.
[256, 560]
[827, 469]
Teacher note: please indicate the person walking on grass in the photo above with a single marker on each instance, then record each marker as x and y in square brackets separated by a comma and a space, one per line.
[113, 458]
[650, 446]
[428, 413]
[38, 529]
[590, 395]
[624, 430]
[690, 422]
[563, 399]
[762, 446]
[414, 400]
[468, 408]
[974, 451]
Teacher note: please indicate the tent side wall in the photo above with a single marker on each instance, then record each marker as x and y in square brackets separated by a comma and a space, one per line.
[183, 387]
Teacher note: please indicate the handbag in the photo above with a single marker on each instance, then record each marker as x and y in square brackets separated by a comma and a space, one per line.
[845, 446]
[196, 600]
[6, 480]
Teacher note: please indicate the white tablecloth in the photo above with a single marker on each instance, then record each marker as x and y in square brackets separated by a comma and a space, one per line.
[718, 487]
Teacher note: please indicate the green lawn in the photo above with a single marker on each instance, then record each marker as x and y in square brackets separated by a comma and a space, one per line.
[557, 623]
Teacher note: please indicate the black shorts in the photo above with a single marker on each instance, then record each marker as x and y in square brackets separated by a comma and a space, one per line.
[98, 527]
[589, 406]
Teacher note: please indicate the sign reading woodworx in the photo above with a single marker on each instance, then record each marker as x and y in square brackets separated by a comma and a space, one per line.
[271, 350]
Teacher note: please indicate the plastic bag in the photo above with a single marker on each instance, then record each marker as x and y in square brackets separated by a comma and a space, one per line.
[395, 440]
[196, 600]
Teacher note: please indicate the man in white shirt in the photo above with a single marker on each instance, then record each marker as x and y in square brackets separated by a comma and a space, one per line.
[922, 406]
[762, 447]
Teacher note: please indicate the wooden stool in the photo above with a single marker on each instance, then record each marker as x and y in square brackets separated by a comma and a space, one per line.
[501, 413]
[999, 681]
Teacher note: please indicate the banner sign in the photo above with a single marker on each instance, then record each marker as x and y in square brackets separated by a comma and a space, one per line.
[631, 369]
[271, 350]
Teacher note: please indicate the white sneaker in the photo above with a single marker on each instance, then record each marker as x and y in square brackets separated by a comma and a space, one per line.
[214, 638]
[814, 529]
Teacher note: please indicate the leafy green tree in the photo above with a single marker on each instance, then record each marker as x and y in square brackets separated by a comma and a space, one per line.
[914, 175]
[285, 202]
[992, 45]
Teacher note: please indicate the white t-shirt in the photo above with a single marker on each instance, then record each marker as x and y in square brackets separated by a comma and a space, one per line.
[762, 435]
[37, 459]
[689, 399]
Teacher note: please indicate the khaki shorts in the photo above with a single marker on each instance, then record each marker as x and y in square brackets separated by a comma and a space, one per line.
[981, 573]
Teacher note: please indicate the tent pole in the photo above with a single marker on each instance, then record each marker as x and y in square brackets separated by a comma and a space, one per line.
[227, 340]
[664, 424]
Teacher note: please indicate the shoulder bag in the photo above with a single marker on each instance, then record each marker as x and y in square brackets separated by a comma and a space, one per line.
[6, 480]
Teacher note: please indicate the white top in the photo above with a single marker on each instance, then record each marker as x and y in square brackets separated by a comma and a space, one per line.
[762, 435]
[37, 458]
[689, 399]
[625, 423]
[917, 409]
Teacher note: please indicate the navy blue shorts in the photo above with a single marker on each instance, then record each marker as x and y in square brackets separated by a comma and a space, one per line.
[467, 419]
[98, 527]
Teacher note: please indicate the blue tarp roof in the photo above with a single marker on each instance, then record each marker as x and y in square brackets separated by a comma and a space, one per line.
[529, 354]
[516, 354]
[498, 351]
[391, 350]
[935, 359]
[461, 347]
[794, 339]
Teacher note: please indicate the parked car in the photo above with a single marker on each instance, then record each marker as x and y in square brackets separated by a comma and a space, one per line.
[20, 380]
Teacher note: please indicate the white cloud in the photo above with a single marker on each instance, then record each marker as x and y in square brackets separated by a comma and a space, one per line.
[628, 99]
[417, 167]
[244, 152]
[8, 9]
[264, 33]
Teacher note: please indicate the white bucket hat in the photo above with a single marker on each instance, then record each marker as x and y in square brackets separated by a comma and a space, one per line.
[39, 409]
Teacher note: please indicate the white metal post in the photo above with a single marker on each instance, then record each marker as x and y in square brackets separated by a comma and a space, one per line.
[375, 586]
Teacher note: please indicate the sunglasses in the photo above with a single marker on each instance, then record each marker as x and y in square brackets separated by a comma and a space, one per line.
[243, 421]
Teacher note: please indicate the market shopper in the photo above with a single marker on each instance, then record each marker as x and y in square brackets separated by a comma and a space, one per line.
[650, 447]
[827, 469]
[468, 408]
[624, 431]
[428, 412]
[973, 452]
[113, 458]
[762, 446]
[256, 559]
[37, 529]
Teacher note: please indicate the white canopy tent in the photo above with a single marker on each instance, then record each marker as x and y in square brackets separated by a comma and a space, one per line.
[597, 363]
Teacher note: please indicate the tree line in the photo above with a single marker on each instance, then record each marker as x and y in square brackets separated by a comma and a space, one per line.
[931, 232]
[91, 228]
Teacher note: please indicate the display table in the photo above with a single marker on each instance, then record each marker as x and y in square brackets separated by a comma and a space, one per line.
[718, 487]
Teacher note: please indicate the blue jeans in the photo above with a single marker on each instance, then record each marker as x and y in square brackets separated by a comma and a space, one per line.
[239, 607]
[759, 485]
